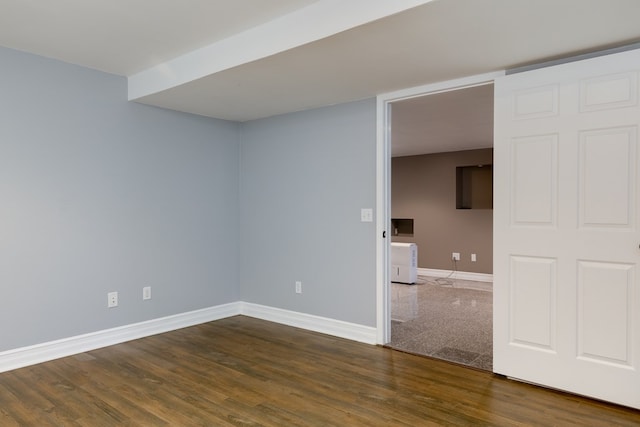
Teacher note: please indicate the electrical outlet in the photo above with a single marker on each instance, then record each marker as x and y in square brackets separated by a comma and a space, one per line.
[473, 257]
[298, 287]
[455, 256]
[146, 292]
[112, 299]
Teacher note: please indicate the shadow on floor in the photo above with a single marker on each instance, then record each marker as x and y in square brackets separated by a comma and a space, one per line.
[444, 318]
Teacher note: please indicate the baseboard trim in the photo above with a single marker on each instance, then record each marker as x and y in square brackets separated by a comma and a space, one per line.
[31, 355]
[461, 275]
[338, 328]
[44, 352]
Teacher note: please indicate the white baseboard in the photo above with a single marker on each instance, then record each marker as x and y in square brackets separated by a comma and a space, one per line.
[461, 275]
[31, 355]
[338, 328]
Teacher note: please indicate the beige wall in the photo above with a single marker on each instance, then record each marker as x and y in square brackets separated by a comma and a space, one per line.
[424, 188]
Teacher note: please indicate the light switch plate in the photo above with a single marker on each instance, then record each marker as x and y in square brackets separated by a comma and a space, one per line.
[366, 215]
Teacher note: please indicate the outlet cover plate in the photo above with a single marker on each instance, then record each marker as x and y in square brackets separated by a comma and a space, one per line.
[112, 299]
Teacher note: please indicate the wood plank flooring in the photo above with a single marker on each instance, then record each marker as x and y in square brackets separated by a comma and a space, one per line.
[247, 372]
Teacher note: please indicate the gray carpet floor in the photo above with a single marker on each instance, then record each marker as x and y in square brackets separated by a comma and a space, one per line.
[444, 318]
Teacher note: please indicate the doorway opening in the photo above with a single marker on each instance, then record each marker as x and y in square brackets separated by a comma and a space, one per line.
[440, 149]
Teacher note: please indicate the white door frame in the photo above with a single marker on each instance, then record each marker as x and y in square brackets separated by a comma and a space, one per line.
[383, 185]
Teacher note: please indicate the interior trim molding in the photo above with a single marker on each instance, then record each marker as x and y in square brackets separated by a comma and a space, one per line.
[38, 353]
[383, 183]
[460, 275]
[44, 352]
[338, 328]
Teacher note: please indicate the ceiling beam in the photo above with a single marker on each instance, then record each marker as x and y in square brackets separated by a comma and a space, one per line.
[314, 22]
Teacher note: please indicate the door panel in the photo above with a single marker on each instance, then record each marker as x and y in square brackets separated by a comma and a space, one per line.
[566, 227]
[534, 168]
[533, 302]
[606, 162]
[604, 310]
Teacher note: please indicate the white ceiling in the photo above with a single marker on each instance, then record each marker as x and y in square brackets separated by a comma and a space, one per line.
[249, 59]
[127, 36]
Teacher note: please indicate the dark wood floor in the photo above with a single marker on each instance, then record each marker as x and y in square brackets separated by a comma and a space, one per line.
[243, 372]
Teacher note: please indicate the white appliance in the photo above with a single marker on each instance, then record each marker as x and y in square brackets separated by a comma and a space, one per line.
[404, 263]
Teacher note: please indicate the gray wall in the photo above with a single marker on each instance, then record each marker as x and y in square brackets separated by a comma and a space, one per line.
[305, 176]
[98, 194]
[424, 188]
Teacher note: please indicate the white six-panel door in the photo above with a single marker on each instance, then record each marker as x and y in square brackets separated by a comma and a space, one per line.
[566, 227]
